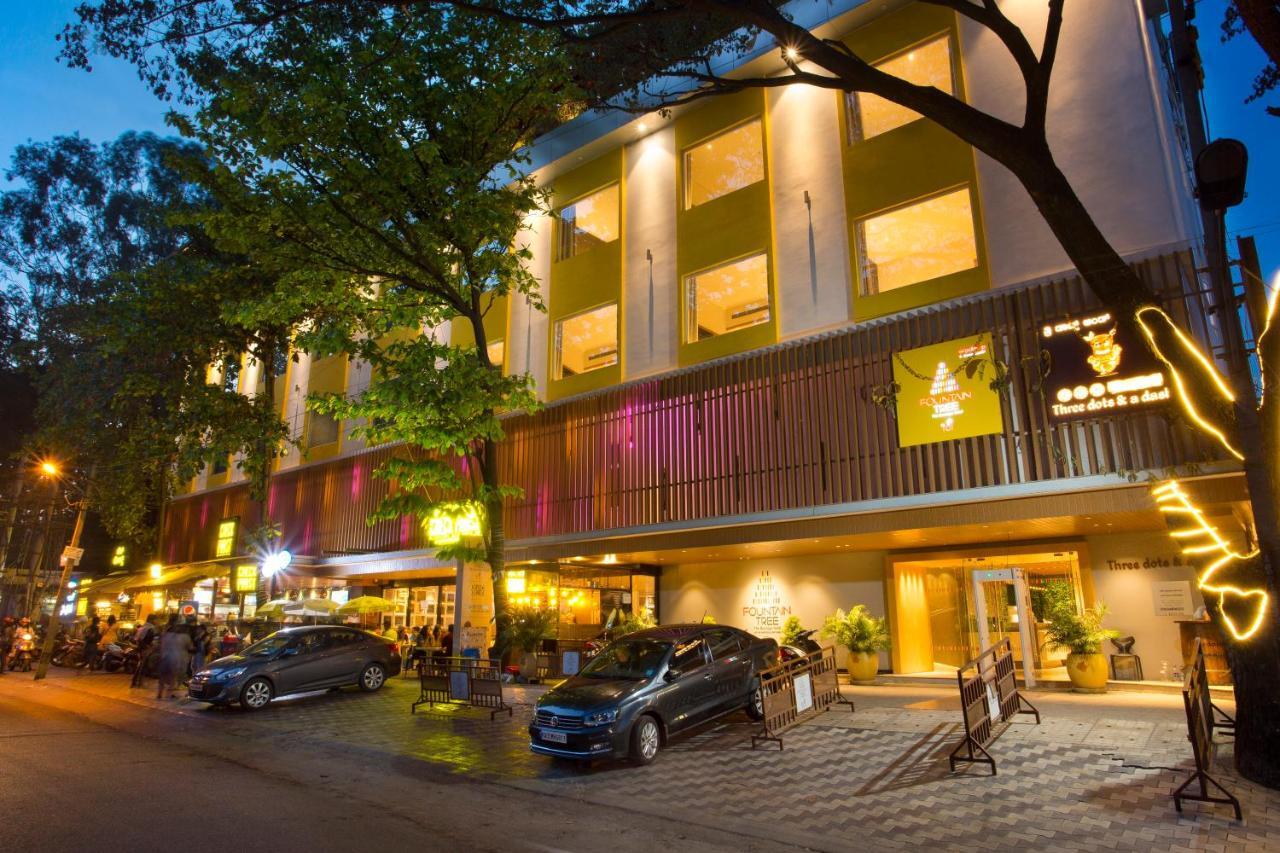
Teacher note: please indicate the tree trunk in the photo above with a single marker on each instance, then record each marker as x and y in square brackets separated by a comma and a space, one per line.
[1255, 668]
[496, 552]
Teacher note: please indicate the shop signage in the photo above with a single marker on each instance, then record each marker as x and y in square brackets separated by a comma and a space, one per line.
[448, 525]
[1172, 598]
[803, 685]
[945, 393]
[188, 608]
[246, 578]
[766, 611]
[1095, 368]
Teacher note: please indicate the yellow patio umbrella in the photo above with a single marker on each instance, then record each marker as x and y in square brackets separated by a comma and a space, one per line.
[272, 608]
[310, 607]
[366, 604]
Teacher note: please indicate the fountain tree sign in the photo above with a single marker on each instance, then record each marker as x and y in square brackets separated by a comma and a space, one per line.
[944, 392]
[767, 609]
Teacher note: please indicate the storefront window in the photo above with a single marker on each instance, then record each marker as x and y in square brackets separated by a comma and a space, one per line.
[917, 242]
[321, 429]
[587, 223]
[725, 163]
[727, 298]
[587, 341]
[927, 64]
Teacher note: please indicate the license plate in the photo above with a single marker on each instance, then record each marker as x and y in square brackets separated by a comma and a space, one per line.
[554, 737]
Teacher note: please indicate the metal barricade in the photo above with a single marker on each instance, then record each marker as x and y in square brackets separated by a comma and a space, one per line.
[1200, 725]
[988, 694]
[796, 691]
[461, 681]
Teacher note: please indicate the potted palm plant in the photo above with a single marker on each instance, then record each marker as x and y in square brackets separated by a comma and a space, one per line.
[529, 625]
[1082, 633]
[864, 635]
[791, 631]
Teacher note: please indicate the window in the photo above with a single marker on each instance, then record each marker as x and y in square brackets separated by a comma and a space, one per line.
[723, 643]
[587, 341]
[927, 64]
[689, 655]
[220, 466]
[915, 243]
[279, 362]
[728, 162]
[321, 429]
[497, 350]
[727, 298]
[587, 223]
[231, 375]
[226, 540]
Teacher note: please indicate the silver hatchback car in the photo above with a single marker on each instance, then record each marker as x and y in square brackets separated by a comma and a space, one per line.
[297, 660]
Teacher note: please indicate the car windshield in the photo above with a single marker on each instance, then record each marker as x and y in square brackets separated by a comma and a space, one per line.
[628, 659]
[267, 646]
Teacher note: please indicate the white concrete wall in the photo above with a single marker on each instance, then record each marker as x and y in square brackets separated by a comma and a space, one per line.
[1128, 593]
[811, 586]
[650, 292]
[812, 264]
[1104, 129]
[295, 410]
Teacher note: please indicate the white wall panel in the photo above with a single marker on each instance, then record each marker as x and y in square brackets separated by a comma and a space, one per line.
[527, 340]
[650, 290]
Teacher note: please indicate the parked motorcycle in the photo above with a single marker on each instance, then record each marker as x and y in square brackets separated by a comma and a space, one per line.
[115, 656]
[798, 651]
[68, 652]
[24, 645]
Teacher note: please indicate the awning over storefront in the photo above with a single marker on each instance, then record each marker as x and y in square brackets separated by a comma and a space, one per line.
[114, 584]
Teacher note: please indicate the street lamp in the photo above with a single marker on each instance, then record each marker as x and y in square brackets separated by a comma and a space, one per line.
[49, 468]
[272, 565]
[155, 569]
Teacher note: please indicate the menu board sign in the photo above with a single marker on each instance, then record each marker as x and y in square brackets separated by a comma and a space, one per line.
[944, 392]
[1095, 369]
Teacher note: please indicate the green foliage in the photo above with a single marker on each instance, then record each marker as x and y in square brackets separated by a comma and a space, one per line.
[634, 621]
[791, 630]
[529, 625]
[1081, 632]
[856, 630]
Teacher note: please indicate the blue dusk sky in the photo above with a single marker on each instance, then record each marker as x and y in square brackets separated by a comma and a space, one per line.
[40, 99]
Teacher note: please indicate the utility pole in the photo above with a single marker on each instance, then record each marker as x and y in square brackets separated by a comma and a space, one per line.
[29, 605]
[69, 560]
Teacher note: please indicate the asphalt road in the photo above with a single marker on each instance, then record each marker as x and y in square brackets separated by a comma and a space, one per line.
[85, 774]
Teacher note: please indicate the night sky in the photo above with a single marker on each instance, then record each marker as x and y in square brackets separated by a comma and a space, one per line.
[40, 98]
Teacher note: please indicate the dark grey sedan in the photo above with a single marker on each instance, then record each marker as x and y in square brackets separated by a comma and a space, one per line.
[296, 660]
[649, 685]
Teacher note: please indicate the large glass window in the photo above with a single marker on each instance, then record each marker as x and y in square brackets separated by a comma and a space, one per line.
[926, 64]
[915, 243]
[727, 298]
[587, 341]
[587, 223]
[321, 429]
[728, 162]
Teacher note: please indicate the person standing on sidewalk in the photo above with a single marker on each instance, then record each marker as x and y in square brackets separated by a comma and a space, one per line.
[200, 643]
[92, 636]
[175, 656]
[143, 638]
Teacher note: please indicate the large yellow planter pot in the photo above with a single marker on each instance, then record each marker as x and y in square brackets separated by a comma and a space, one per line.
[863, 667]
[1088, 673]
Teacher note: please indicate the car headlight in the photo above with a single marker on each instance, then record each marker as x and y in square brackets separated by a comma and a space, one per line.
[599, 718]
[229, 674]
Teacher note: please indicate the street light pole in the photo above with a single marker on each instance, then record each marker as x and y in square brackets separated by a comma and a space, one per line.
[46, 653]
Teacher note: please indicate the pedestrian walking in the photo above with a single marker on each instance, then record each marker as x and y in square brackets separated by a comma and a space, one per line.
[144, 638]
[175, 656]
[200, 643]
[92, 636]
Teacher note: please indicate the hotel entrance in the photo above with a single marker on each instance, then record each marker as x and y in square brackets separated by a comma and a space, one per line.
[934, 614]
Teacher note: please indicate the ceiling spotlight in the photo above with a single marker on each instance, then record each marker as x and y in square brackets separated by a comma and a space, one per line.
[791, 54]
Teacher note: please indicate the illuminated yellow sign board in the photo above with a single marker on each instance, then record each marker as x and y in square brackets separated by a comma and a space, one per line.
[226, 541]
[448, 525]
[945, 393]
[246, 578]
[1095, 370]
[118, 556]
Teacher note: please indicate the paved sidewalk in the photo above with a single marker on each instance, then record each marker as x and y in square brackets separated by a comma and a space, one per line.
[1095, 774]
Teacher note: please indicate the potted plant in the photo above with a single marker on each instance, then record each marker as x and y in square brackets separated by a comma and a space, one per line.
[791, 631]
[632, 622]
[529, 625]
[1082, 633]
[864, 635]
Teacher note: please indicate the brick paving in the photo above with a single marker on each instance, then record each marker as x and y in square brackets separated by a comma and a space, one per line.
[1087, 778]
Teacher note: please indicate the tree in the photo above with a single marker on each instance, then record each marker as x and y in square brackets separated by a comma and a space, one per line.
[371, 155]
[1261, 19]
[126, 313]
[159, 38]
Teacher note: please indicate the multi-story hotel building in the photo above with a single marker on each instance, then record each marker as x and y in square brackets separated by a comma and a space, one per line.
[732, 293]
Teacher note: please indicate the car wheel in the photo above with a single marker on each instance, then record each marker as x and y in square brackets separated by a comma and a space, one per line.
[256, 695]
[372, 677]
[755, 702]
[646, 739]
